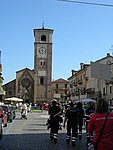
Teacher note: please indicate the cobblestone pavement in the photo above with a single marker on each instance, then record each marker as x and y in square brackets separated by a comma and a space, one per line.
[32, 134]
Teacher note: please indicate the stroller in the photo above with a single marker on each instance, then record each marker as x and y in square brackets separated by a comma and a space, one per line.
[24, 114]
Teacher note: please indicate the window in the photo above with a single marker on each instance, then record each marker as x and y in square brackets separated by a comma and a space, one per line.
[10, 93]
[19, 86]
[108, 62]
[110, 89]
[56, 86]
[71, 85]
[41, 80]
[43, 38]
[104, 91]
[43, 63]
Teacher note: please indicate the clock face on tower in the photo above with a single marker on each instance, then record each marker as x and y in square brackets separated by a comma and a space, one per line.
[41, 52]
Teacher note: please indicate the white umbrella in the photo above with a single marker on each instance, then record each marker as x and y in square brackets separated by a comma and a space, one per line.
[87, 100]
[13, 99]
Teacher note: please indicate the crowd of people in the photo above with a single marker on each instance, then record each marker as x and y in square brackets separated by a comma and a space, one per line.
[74, 116]
[96, 118]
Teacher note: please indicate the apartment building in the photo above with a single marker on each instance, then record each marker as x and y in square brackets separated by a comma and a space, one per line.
[82, 83]
[77, 83]
[59, 89]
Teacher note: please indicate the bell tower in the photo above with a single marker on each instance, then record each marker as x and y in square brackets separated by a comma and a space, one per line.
[42, 62]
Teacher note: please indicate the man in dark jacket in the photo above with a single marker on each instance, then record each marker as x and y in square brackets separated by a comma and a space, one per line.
[54, 112]
[80, 112]
[71, 118]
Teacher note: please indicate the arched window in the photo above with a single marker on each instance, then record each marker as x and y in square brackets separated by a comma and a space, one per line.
[43, 38]
[42, 63]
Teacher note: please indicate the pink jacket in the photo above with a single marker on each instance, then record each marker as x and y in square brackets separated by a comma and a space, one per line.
[95, 124]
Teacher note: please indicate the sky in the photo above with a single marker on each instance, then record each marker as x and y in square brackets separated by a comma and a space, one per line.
[82, 33]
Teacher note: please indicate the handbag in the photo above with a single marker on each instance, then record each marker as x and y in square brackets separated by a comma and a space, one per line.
[93, 146]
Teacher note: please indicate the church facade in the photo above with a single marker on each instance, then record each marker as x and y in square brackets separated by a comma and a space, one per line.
[34, 85]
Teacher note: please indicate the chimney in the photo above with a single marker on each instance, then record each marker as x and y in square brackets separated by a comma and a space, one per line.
[81, 66]
[73, 72]
[108, 54]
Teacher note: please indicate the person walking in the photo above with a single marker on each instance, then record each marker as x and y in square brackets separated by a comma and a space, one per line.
[89, 111]
[97, 121]
[80, 112]
[71, 119]
[54, 112]
[24, 110]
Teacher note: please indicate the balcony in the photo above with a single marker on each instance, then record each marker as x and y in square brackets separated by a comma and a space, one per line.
[90, 90]
[75, 83]
[80, 82]
[77, 92]
[73, 94]
[107, 81]
[86, 78]
[111, 80]
[83, 91]
[71, 86]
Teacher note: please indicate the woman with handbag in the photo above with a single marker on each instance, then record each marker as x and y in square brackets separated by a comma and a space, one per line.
[101, 123]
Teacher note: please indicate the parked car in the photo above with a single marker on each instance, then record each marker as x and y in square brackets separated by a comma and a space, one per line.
[9, 111]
